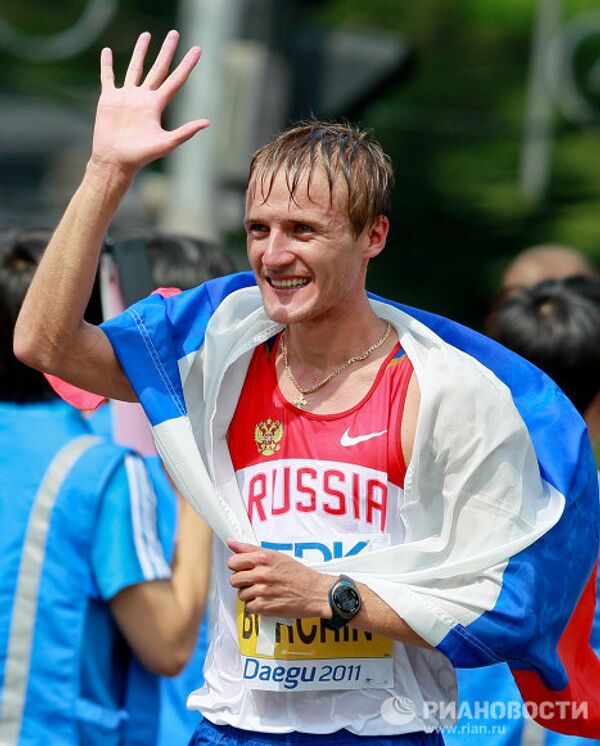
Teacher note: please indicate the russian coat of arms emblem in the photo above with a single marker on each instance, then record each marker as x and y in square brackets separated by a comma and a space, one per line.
[267, 435]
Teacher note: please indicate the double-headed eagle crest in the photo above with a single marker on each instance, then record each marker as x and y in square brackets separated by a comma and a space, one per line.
[267, 435]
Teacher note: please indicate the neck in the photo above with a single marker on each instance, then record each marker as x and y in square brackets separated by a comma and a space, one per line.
[323, 344]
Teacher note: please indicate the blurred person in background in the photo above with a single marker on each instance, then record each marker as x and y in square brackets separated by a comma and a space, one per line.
[175, 262]
[554, 324]
[184, 262]
[170, 263]
[259, 398]
[545, 262]
[86, 593]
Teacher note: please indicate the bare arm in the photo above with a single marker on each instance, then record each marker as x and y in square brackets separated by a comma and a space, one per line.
[161, 619]
[275, 585]
[50, 334]
[409, 418]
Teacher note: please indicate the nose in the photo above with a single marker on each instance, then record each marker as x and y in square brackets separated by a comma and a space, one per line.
[277, 252]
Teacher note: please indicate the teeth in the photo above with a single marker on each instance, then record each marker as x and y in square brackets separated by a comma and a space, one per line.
[283, 284]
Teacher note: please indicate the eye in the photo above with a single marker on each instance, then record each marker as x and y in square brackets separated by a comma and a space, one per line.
[257, 228]
[303, 228]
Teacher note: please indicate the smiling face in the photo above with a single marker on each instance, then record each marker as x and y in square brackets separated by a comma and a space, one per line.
[308, 264]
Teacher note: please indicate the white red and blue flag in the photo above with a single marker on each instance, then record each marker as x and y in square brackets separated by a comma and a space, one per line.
[501, 497]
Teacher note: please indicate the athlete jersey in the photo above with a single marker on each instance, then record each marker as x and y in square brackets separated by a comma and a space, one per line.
[317, 487]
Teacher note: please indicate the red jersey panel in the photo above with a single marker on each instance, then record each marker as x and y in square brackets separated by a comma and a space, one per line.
[302, 473]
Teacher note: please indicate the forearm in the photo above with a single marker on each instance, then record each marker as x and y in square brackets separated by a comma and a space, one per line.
[52, 314]
[161, 619]
[191, 571]
[376, 616]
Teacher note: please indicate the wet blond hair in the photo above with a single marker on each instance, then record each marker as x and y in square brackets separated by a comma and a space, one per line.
[336, 149]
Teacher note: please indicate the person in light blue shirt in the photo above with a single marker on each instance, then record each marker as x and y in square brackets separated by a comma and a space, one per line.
[175, 721]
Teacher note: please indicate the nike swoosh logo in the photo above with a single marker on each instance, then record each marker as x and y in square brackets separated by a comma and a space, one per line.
[348, 440]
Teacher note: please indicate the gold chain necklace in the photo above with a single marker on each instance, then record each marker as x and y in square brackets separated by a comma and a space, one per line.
[300, 400]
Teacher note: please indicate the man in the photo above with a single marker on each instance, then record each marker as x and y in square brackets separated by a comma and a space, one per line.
[87, 594]
[287, 415]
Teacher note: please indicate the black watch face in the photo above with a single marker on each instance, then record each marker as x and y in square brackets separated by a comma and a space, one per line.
[347, 599]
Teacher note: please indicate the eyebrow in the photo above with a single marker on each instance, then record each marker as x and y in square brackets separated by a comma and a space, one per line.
[320, 222]
[249, 221]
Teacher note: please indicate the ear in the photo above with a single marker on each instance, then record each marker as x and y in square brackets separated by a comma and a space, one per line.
[376, 236]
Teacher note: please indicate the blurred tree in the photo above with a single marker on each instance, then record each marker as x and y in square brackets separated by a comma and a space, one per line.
[454, 132]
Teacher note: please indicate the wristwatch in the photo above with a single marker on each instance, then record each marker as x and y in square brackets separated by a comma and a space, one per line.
[344, 601]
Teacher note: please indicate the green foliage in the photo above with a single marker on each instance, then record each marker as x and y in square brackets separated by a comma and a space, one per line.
[455, 133]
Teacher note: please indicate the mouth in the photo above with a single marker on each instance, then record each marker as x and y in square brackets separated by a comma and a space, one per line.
[292, 283]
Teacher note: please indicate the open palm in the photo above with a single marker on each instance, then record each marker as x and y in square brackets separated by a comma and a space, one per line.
[128, 131]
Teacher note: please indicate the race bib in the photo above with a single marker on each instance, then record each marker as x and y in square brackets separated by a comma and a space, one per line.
[307, 655]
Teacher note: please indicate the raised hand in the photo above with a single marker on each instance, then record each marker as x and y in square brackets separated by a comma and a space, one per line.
[128, 132]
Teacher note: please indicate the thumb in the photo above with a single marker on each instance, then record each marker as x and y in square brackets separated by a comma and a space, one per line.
[187, 131]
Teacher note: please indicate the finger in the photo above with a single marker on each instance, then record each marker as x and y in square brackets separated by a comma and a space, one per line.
[183, 133]
[242, 579]
[136, 63]
[107, 76]
[181, 73]
[186, 132]
[239, 546]
[171, 140]
[247, 595]
[160, 69]
[239, 562]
